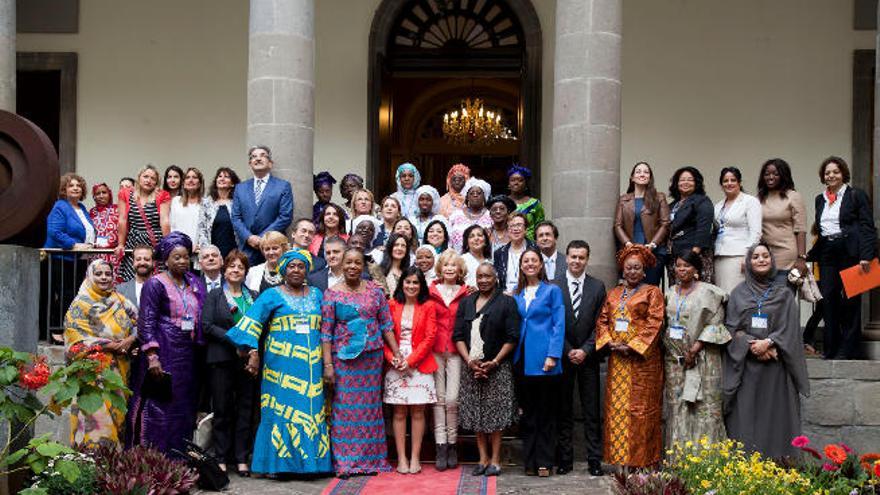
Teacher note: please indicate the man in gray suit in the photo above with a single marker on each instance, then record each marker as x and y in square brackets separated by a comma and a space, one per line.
[143, 268]
[546, 235]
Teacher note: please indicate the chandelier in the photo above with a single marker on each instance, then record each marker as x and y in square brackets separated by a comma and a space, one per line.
[474, 125]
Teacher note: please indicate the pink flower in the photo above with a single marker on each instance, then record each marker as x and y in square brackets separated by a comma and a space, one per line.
[800, 441]
[829, 467]
[813, 452]
[845, 447]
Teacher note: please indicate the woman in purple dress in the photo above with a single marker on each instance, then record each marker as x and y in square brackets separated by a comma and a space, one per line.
[169, 330]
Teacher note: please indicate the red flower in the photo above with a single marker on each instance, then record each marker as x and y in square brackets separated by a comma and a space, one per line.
[868, 460]
[829, 467]
[877, 469]
[835, 453]
[845, 447]
[813, 452]
[800, 441]
[34, 376]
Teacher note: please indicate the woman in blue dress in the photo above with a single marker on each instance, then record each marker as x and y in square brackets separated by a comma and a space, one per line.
[292, 436]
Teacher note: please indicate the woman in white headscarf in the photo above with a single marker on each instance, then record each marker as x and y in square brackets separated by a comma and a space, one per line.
[428, 200]
[408, 180]
[476, 193]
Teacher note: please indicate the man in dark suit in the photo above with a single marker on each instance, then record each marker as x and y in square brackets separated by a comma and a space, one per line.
[506, 258]
[583, 296]
[301, 238]
[142, 262]
[546, 235]
[260, 204]
[211, 266]
[331, 273]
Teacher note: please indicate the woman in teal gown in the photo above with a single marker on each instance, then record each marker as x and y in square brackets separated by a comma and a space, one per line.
[292, 436]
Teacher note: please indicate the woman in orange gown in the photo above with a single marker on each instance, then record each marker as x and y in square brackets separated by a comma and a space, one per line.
[629, 327]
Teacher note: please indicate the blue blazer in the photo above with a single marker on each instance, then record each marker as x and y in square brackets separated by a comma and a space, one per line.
[542, 333]
[274, 212]
[63, 227]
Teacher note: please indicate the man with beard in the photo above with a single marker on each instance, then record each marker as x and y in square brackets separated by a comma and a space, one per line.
[143, 267]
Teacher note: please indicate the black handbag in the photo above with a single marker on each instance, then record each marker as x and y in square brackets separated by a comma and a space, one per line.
[211, 477]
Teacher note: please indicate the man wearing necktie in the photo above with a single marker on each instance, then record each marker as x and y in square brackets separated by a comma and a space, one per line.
[583, 297]
[260, 204]
[546, 235]
[211, 265]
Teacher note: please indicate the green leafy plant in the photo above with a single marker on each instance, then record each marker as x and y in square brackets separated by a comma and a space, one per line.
[87, 380]
[58, 477]
[837, 469]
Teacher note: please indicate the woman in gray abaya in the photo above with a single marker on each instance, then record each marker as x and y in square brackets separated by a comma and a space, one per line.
[764, 365]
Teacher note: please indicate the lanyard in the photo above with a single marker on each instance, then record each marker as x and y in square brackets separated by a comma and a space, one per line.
[760, 300]
[626, 295]
[182, 293]
[679, 304]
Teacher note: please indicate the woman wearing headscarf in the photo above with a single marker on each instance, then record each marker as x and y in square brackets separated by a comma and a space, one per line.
[500, 208]
[487, 326]
[355, 321]
[366, 226]
[428, 207]
[477, 193]
[426, 260]
[694, 339]
[105, 218]
[764, 366]
[453, 200]
[518, 187]
[292, 436]
[169, 331]
[100, 316]
[408, 180]
[322, 184]
[629, 327]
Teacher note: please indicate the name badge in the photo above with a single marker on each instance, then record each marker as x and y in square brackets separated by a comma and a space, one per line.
[187, 323]
[302, 328]
[676, 332]
[621, 325]
[759, 320]
[102, 241]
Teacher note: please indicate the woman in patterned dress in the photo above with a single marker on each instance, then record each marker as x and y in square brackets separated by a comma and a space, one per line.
[356, 320]
[476, 193]
[100, 316]
[292, 436]
[694, 340]
[409, 383]
[143, 217]
[105, 218]
[517, 185]
[629, 326]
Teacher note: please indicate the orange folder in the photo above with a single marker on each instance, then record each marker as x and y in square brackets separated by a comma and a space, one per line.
[855, 281]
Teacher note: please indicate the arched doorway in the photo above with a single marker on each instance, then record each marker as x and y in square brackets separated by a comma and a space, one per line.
[428, 55]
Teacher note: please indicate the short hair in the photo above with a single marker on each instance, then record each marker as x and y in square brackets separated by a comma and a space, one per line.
[260, 147]
[736, 173]
[451, 256]
[130, 179]
[699, 187]
[578, 244]
[301, 220]
[442, 225]
[209, 247]
[360, 253]
[234, 255]
[548, 223]
[171, 168]
[212, 189]
[400, 297]
[690, 258]
[275, 237]
[518, 214]
[786, 183]
[65, 181]
[142, 247]
[841, 164]
[487, 248]
[335, 239]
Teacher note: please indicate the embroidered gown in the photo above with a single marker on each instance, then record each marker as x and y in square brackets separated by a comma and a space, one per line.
[292, 436]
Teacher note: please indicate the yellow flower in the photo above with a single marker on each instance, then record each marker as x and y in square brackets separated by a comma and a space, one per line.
[705, 484]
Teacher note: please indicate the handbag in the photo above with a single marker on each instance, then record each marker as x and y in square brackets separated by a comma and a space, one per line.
[157, 388]
[211, 477]
[807, 288]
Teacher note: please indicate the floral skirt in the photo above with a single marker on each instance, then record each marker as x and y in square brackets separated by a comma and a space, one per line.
[410, 388]
[487, 405]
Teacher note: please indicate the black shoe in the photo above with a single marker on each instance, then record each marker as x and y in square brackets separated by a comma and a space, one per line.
[563, 470]
[451, 456]
[479, 470]
[595, 469]
[492, 470]
[440, 461]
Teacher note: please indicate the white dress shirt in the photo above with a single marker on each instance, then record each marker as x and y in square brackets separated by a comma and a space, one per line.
[549, 265]
[829, 222]
[739, 225]
[214, 284]
[571, 279]
[137, 291]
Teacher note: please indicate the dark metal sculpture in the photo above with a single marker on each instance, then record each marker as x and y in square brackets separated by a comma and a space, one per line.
[29, 175]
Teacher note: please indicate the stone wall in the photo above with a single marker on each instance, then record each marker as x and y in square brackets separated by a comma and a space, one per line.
[844, 404]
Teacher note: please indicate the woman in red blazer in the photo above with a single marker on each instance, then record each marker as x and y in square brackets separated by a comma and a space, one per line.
[446, 292]
[409, 383]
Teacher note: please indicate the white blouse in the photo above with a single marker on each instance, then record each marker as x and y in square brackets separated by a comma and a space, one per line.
[739, 225]
[185, 218]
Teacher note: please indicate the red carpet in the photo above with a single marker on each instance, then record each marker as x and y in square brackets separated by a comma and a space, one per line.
[429, 481]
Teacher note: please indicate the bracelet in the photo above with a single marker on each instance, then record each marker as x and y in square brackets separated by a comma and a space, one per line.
[802, 256]
[328, 365]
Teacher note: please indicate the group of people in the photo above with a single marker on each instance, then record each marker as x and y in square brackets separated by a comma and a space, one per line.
[461, 308]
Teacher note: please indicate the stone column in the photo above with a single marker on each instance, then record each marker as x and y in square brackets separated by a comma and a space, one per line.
[7, 55]
[871, 331]
[280, 91]
[586, 127]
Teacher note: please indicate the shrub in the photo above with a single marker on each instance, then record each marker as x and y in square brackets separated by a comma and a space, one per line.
[841, 471]
[649, 483]
[141, 470]
[55, 479]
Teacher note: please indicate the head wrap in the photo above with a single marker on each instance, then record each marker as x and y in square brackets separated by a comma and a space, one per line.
[755, 282]
[407, 167]
[109, 201]
[474, 182]
[355, 177]
[322, 178]
[518, 169]
[89, 284]
[171, 241]
[642, 252]
[294, 254]
[435, 197]
[458, 168]
[367, 218]
[427, 247]
[96, 316]
[501, 198]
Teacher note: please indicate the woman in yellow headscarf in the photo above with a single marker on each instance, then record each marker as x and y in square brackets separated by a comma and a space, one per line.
[100, 325]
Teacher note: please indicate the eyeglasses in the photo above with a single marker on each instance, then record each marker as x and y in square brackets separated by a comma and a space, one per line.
[516, 226]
